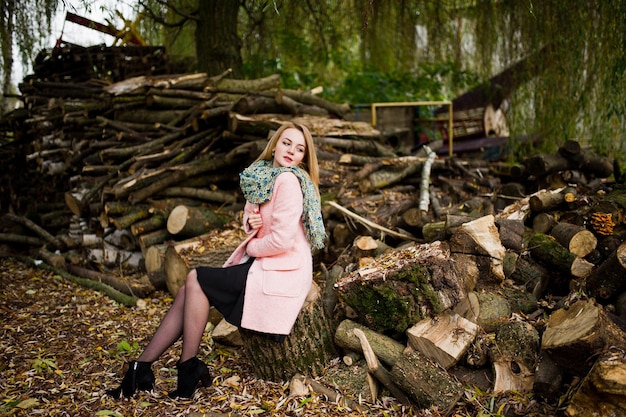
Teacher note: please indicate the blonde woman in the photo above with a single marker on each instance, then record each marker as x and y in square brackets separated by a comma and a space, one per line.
[263, 284]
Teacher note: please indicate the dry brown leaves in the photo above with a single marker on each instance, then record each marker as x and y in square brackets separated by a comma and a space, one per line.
[62, 346]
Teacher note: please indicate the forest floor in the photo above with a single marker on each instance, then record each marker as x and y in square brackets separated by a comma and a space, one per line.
[62, 346]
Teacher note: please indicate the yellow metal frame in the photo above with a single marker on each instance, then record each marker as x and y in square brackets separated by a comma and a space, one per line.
[416, 104]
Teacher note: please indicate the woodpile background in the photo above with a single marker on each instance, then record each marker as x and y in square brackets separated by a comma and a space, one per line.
[440, 272]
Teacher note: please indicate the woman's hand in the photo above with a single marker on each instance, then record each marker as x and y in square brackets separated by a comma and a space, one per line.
[254, 220]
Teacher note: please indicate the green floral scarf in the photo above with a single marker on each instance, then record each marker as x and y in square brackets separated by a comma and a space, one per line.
[257, 184]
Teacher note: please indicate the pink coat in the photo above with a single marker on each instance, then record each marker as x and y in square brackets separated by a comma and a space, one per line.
[281, 275]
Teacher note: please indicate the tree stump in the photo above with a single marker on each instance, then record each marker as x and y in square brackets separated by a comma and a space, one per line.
[307, 350]
[178, 262]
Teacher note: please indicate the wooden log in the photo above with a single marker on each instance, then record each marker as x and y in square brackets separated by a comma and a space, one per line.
[480, 237]
[199, 194]
[575, 336]
[511, 233]
[42, 233]
[308, 348]
[526, 272]
[546, 200]
[444, 338]
[547, 250]
[514, 356]
[543, 223]
[541, 165]
[137, 288]
[154, 237]
[155, 221]
[402, 286]
[603, 390]
[139, 212]
[377, 370]
[548, 378]
[577, 239]
[154, 259]
[20, 239]
[425, 382]
[186, 221]
[385, 348]
[607, 282]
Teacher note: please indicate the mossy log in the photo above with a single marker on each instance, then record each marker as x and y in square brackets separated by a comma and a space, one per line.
[426, 382]
[551, 253]
[385, 348]
[401, 287]
[307, 350]
[514, 356]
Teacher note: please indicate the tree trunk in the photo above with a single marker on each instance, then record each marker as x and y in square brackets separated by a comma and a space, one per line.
[606, 282]
[218, 46]
[307, 350]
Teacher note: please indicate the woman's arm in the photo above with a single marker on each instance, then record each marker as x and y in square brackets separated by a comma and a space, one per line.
[284, 220]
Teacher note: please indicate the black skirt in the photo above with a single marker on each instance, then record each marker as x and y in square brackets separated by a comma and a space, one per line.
[225, 288]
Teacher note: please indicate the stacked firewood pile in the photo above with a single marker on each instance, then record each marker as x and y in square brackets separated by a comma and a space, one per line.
[436, 270]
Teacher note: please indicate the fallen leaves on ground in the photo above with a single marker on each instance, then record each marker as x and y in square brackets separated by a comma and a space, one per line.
[62, 346]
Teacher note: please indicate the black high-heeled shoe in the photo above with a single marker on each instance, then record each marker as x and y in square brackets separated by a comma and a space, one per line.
[139, 376]
[191, 374]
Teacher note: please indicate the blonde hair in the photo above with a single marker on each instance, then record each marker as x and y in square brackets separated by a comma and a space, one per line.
[309, 162]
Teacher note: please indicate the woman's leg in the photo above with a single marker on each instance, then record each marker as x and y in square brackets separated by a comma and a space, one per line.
[195, 316]
[170, 329]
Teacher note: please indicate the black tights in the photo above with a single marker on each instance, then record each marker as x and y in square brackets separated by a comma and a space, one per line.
[187, 316]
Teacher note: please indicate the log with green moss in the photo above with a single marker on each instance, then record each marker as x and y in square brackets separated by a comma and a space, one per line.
[401, 287]
[551, 253]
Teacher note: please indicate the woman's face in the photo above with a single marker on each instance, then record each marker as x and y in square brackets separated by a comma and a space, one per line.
[290, 148]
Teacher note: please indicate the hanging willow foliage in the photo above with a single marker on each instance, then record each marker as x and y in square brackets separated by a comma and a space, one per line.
[576, 91]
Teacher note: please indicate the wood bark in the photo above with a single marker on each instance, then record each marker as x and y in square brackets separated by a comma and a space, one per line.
[308, 348]
[425, 382]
